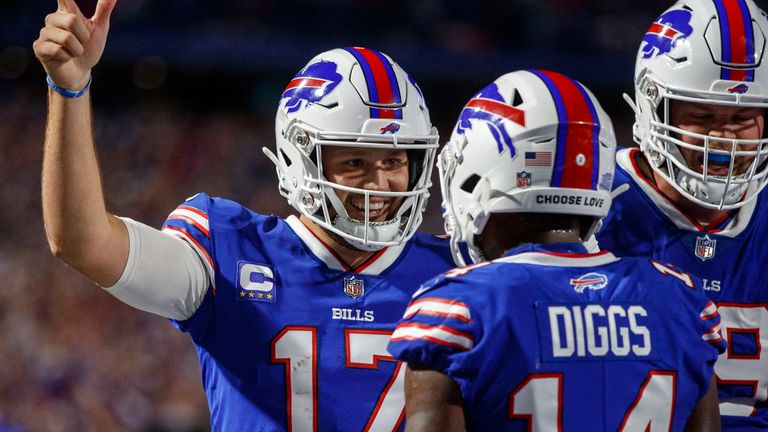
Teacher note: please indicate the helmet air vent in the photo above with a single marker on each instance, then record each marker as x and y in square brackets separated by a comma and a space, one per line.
[517, 100]
[470, 183]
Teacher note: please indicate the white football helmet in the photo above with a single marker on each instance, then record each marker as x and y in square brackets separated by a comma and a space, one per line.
[531, 142]
[353, 97]
[709, 52]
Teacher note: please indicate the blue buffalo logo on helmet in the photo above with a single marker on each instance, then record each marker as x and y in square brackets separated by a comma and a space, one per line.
[740, 89]
[665, 32]
[592, 281]
[391, 128]
[311, 85]
[489, 106]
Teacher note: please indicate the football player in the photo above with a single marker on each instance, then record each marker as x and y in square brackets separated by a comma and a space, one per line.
[692, 190]
[290, 317]
[546, 336]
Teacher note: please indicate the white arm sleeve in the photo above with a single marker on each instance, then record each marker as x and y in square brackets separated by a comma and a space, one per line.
[164, 275]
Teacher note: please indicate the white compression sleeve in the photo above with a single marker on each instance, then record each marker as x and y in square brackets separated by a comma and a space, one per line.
[163, 275]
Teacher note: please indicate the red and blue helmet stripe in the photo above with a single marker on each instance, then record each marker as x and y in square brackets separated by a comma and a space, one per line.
[575, 142]
[737, 38]
[380, 78]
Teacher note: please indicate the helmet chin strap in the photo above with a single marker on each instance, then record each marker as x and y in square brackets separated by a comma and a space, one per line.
[377, 231]
[711, 193]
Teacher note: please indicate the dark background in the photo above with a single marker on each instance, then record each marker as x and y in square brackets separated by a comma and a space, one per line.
[184, 100]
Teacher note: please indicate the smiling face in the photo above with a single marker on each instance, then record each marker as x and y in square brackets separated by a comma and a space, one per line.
[722, 122]
[378, 170]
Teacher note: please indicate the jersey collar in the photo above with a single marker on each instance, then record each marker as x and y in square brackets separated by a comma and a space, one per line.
[557, 254]
[731, 227]
[375, 265]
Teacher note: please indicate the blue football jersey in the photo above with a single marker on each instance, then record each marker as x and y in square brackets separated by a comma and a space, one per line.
[730, 257]
[549, 338]
[289, 337]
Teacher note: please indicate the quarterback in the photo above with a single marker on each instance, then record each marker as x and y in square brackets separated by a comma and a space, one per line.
[290, 317]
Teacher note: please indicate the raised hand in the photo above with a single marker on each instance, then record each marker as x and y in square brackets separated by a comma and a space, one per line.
[71, 44]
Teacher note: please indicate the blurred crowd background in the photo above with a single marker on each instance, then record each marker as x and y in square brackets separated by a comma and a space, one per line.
[184, 100]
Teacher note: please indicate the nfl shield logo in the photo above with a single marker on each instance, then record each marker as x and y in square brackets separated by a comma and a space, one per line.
[354, 287]
[523, 179]
[705, 247]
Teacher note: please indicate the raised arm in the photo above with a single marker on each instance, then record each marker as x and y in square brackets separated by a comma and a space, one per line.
[80, 231]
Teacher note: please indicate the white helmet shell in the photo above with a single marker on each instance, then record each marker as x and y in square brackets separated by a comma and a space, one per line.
[353, 97]
[530, 142]
[709, 52]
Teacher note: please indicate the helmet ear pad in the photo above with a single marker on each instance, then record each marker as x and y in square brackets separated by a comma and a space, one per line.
[527, 157]
[336, 100]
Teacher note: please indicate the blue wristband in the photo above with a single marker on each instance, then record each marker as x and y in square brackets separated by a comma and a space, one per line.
[68, 93]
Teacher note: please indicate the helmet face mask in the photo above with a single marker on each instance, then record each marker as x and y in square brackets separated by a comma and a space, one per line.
[356, 98]
[530, 142]
[700, 52]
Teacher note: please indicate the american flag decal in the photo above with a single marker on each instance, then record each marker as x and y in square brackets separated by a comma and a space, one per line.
[538, 159]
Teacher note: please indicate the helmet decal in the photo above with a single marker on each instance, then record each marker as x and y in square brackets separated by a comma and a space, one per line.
[391, 128]
[489, 106]
[576, 155]
[740, 89]
[738, 39]
[665, 32]
[311, 85]
[383, 88]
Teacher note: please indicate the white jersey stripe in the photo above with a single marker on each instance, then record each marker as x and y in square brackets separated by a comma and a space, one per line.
[712, 334]
[192, 216]
[439, 307]
[561, 260]
[709, 311]
[441, 335]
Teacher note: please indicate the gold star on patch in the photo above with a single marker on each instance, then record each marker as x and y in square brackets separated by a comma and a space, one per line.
[269, 296]
[261, 295]
[242, 293]
[250, 295]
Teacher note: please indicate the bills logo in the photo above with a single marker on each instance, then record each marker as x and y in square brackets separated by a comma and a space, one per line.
[591, 281]
[705, 248]
[489, 106]
[311, 85]
[523, 179]
[391, 128]
[353, 287]
[664, 33]
[740, 89]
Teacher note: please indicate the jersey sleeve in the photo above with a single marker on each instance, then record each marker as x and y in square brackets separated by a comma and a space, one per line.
[189, 222]
[710, 321]
[437, 329]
